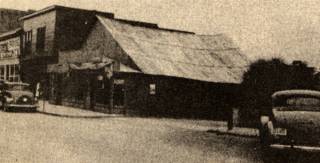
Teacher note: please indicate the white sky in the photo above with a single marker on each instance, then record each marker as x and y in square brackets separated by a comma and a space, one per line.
[258, 27]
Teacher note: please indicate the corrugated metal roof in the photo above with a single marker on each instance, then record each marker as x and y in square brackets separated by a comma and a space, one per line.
[212, 58]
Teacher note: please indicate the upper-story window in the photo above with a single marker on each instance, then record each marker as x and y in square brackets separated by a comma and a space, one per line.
[41, 34]
[27, 42]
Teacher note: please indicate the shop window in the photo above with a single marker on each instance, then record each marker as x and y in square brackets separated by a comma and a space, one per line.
[152, 89]
[119, 92]
[12, 73]
[41, 34]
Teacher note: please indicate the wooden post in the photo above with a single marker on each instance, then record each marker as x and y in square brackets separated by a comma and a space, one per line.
[111, 94]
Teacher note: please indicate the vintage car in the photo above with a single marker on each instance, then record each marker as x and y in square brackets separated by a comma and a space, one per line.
[294, 122]
[17, 95]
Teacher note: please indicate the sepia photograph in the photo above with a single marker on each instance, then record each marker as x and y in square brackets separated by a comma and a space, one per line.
[159, 81]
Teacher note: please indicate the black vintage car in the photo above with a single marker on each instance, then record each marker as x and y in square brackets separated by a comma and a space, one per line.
[16, 95]
[296, 122]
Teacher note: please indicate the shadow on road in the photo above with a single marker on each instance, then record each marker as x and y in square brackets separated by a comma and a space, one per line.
[78, 116]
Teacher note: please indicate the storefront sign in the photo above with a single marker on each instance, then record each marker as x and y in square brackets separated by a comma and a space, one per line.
[10, 48]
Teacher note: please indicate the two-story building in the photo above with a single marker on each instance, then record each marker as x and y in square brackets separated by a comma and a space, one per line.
[9, 55]
[48, 31]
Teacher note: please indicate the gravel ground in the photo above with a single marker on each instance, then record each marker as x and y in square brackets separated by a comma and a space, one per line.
[38, 137]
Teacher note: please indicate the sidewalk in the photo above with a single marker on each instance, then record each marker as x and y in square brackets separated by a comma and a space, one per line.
[70, 112]
[219, 127]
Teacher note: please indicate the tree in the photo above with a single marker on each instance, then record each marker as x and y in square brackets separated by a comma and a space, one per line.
[264, 77]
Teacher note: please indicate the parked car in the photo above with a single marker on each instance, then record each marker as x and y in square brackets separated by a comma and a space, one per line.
[295, 121]
[17, 95]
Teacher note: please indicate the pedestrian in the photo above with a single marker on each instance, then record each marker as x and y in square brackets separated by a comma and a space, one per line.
[37, 93]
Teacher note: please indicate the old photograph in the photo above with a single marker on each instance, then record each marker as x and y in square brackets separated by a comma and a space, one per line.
[168, 81]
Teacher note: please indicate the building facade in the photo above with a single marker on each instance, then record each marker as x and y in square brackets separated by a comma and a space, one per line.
[10, 50]
[48, 31]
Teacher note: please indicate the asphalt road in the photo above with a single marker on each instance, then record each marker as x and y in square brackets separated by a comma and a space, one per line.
[37, 138]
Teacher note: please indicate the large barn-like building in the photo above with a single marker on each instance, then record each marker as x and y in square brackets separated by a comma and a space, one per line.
[124, 66]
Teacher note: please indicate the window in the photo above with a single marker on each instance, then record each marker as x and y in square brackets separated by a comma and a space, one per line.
[152, 88]
[12, 73]
[27, 42]
[41, 34]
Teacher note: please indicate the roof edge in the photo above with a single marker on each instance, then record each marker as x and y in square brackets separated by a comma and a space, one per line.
[10, 34]
[55, 7]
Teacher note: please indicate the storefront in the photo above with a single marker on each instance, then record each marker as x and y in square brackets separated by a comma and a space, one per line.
[9, 56]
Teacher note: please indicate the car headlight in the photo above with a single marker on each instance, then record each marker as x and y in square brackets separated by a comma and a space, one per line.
[24, 99]
[9, 99]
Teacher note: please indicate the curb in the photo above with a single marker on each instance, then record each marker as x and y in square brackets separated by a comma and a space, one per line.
[78, 116]
[219, 132]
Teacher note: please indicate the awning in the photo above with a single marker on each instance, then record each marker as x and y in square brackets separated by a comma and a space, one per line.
[124, 68]
[58, 68]
[89, 66]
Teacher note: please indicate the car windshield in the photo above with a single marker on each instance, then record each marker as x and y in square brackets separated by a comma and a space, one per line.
[303, 101]
[18, 87]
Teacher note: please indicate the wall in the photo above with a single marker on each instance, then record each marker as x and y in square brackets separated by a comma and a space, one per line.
[49, 21]
[177, 97]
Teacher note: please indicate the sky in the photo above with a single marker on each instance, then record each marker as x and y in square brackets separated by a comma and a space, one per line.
[261, 28]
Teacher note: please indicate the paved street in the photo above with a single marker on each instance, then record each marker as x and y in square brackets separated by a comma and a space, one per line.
[39, 137]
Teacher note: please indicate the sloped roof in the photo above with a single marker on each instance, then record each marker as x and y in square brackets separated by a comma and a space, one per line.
[10, 34]
[156, 51]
